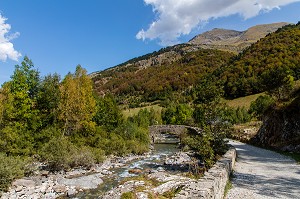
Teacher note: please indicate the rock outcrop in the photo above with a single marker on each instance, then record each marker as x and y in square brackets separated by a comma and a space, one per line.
[281, 128]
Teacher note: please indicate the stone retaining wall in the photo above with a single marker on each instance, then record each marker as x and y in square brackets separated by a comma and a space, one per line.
[212, 185]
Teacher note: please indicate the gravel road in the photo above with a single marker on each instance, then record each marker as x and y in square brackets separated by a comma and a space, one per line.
[261, 173]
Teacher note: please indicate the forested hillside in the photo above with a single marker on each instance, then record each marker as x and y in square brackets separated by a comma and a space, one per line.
[265, 65]
[157, 82]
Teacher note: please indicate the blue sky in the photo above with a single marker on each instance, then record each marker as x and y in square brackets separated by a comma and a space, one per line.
[59, 34]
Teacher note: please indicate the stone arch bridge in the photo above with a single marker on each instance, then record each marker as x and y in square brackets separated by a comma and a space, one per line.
[169, 133]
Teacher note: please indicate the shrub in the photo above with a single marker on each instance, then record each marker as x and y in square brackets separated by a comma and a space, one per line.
[60, 154]
[10, 169]
[83, 157]
[128, 195]
[98, 154]
[260, 105]
[137, 147]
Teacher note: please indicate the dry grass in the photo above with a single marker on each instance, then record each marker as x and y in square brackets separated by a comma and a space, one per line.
[242, 101]
[131, 112]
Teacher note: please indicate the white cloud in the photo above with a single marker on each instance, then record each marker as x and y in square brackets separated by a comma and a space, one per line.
[7, 50]
[180, 17]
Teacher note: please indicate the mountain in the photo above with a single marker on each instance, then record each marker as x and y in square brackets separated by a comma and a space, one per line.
[220, 39]
[176, 68]
[233, 40]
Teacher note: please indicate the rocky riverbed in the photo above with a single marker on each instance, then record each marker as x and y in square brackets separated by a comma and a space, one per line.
[52, 185]
[161, 173]
[75, 183]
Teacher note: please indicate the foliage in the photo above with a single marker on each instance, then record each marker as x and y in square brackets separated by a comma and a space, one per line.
[260, 105]
[108, 113]
[265, 64]
[16, 140]
[20, 97]
[207, 115]
[285, 89]
[128, 195]
[160, 81]
[77, 105]
[145, 118]
[48, 99]
[60, 153]
[235, 115]
[180, 114]
[10, 168]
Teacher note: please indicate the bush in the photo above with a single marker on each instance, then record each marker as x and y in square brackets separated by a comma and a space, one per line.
[45, 135]
[98, 154]
[260, 105]
[60, 154]
[235, 116]
[137, 147]
[10, 168]
[83, 157]
[128, 195]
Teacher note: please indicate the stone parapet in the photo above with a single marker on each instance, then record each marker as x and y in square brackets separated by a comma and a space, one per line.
[212, 184]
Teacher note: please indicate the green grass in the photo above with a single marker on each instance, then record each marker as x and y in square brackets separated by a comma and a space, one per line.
[227, 187]
[242, 101]
[131, 112]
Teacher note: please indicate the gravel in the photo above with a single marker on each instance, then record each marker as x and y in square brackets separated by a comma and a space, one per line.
[261, 173]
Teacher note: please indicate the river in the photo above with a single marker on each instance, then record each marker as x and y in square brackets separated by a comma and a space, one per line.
[153, 161]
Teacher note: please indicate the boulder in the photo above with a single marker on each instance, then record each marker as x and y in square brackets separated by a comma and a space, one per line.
[135, 171]
[60, 188]
[24, 183]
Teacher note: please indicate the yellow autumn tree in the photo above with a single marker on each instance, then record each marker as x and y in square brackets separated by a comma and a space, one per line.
[77, 104]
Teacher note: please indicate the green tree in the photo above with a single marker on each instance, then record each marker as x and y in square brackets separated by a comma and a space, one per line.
[260, 105]
[180, 114]
[21, 94]
[108, 113]
[208, 115]
[49, 98]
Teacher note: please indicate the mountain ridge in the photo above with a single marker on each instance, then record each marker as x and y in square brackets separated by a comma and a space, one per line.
[217, 38]
[233, 40]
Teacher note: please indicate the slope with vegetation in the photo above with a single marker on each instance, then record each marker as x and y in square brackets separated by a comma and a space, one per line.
[76, 121]
[62, 123]
[159, 82]
[265, 65]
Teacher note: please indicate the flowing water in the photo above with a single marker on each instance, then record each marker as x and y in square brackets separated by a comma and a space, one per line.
[155, 160]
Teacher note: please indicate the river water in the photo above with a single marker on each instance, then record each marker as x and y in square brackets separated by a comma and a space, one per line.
[153, 161]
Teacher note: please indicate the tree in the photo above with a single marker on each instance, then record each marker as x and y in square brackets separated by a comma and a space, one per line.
[285, 88]
[20, 116]
[177, 114]
[48, 99]
[21, 93]
[108, 113]
[77, 106]
[260, 105]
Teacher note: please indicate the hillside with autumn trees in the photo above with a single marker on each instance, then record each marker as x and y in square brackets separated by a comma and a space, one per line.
[263, 66]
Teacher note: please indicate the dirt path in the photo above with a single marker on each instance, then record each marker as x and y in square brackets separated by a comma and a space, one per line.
[260, 173]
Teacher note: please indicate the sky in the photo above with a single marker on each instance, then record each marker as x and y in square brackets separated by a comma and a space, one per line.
[57, 35]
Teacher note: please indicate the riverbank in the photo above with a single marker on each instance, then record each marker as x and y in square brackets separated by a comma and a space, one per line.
[51, 185]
